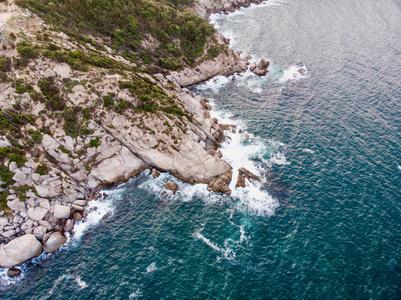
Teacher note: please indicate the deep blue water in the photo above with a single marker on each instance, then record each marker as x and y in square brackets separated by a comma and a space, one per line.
[326, 222]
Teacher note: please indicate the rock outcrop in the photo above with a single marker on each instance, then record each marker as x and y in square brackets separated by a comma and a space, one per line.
[204, 8]
[170, 185]
[260, 68]
[19, 251]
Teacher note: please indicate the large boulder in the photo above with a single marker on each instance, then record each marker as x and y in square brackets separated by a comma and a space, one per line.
[61, 211]
[38, 213]
[19, 251]
[54, 241]
[260, 68]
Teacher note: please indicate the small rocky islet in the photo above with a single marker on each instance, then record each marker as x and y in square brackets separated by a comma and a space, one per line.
[77, 115]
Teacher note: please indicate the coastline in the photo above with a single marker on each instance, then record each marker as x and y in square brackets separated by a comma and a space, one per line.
[132, 159]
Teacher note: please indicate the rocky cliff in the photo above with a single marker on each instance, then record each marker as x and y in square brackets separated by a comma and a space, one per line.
[76, 117]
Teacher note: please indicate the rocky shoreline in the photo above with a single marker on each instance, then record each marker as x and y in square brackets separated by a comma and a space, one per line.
[62, 173]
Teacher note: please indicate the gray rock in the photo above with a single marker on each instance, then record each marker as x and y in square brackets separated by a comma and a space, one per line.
[8, 227]
[9, 233]
[31, 202]
[39, 232]
[30, 194]
[38, 213]
[68, 226]
[19, 251]
[28, 224]
[46, 224]
[3, 221]
[47, 191]
[35, 177]
[19, 176]
[61, 211]
[80, 202]
[54, 241]
[16, 205]
[55, 183]
[12, 166]
[26, 170]
[77, 207]
[44, 203]
[18, 219]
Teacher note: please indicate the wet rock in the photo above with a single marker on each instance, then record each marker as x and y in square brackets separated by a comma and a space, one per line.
[61, 211]
[248, 175]
[170, 185]
[77, 217]
[54, 241]
[19, 251]
[68, 226]
[240, 181]
[84, 214]
[259, 68]
[155, 173]
[221, 184]
[13, 272]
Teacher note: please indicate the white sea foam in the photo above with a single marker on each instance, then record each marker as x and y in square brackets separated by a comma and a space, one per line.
[82, 284]
[215, 84]
[152, 267]
[308, 151]
[97, 209]
[293, 73]
[6, 281]
[135, 294]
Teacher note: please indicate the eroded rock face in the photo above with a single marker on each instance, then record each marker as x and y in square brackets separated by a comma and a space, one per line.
[54, 241]
[19, 251]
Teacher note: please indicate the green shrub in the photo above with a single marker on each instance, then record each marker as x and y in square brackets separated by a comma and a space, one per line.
[95, 142]
[52, 94]
[42, 169]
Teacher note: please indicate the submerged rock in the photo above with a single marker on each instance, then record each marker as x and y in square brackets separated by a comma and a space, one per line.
[19, 251]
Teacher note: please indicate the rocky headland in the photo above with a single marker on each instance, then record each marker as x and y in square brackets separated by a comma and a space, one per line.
[76, 117]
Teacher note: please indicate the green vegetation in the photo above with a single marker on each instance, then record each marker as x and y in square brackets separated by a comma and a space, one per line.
[95, 142]
[42, 169]
[52, 94]
[161, 32]
[72, 125]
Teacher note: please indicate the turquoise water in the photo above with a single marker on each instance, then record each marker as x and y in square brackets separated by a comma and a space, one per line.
[325, 222]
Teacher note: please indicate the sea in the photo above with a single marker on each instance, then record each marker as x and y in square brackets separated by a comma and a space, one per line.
[323, 132]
